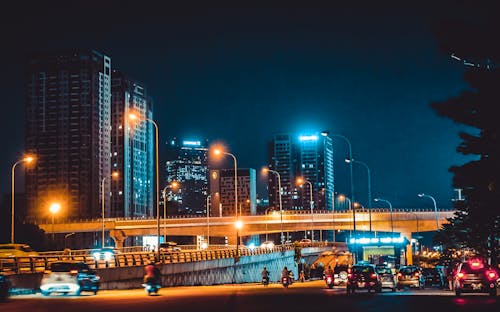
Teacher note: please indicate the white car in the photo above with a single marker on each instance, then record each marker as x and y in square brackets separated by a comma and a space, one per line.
[267, 244]
[69, 277]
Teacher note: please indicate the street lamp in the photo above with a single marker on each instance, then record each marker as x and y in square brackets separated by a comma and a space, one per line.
[279, 197]
[417, 236]
[390, 209]
[333, 216]
[351, 206]
[238, 225]
[66, 237]
[350, 164]
[267, 220]
[435, 207]
[350, 161]
[113, 175]
[54, 208]
[208, 219]
[28, 160]
[302, 181]
[218, 152]
[134, 117]
[173, 184]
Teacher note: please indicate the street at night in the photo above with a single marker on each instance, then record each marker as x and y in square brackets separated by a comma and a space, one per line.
[308, 296]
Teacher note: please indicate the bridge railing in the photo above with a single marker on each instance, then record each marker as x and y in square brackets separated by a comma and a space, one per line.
[23, 265]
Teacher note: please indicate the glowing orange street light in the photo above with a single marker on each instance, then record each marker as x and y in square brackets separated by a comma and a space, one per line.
[28, 159]
[54, 208]
[172, 185]
[301, 181]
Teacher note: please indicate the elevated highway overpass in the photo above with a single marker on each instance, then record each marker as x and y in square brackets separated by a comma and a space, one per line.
[404, 221]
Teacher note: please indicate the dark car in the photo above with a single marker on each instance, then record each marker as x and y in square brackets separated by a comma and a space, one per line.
[475, 275]
[433, 277]
[69, 277]
[4, 288]
[410, 276]
[363, 276]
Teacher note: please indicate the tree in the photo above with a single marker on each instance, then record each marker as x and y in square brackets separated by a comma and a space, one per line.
[476, 224]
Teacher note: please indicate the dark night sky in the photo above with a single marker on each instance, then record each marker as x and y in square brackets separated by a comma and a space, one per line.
[241, 72]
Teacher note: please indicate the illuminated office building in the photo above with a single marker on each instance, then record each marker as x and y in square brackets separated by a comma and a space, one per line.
[307, 156]
[132, 150]
[187, 164]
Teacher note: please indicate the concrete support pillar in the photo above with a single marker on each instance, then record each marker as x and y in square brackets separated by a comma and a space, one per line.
[409, 251]
[118, 236]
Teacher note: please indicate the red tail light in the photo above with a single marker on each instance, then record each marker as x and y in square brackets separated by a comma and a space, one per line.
[492, 275]
[374, 276]
[73, 272]
[349, 275]
[417, 274]
[400, 275]
[328, 279]
[460, 275]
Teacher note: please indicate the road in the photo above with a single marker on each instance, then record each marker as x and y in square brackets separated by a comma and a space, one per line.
[306, 297]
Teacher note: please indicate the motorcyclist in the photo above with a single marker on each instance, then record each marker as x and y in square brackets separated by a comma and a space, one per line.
[152, 273]
[328, 272]
[285, 272]
[265, 274]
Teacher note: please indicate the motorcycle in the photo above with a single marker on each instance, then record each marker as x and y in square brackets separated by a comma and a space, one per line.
[285, 281]
[329, 281]
[151, 287]
[265, 280]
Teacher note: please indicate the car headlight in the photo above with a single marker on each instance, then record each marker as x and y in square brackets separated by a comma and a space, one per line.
[108, 255]
[96, 255]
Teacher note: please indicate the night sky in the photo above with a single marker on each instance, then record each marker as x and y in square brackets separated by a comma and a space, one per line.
[241, 72]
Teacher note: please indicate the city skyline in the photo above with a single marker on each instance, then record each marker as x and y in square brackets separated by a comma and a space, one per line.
[295, 72]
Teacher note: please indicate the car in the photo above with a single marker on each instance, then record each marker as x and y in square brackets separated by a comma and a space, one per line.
[17, 250]
[267, 245]
[69, 277]
[169, 247]
[305, 242]
[340, 274]
[433, 277]
[106, 253]
[410, 276]
[363, 276]
[475, 276]
[387, 277]
[4, 288]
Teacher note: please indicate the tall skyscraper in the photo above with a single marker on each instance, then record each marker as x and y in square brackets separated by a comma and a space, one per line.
[68, 126]
[187, 164]
[132, 149]
[306, 156]
[222, 191]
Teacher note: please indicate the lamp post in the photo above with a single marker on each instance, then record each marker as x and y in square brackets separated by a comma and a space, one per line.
[435, 207]
[350, 161]
[173, 184]
[267, 209]
[302, 181]
[333, 216]
[54, 208]
[390, 209]
[218, 152]
[351, 206]
[279, 197]
[238, 225]
[26, 159]
[134, 117]
[66, 237]
[113, 175]
[417, 236]
[208, 219]
[350, 157]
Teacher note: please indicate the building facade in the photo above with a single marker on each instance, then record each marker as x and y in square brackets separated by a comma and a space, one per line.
[132, 149]
[222, 190]
[187, 165]
[67, 127]
[309, 157]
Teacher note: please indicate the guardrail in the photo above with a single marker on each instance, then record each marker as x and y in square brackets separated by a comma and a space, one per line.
[24, 265]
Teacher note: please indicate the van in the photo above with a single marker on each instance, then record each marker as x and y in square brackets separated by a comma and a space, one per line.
[17, 250]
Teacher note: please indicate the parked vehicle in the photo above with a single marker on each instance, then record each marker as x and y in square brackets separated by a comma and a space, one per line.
[387, 277]
[410, 276]
[285, 281]
[267, 245]
[106, 253]
[475, 276]
[69, 277]
[433, 277]
[4, 288]
[17, 250]
[305, 242]
[363, 276]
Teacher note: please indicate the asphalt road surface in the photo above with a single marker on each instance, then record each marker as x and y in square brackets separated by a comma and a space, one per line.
[304, 297]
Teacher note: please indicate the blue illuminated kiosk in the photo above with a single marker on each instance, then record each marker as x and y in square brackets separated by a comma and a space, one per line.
[379, 250]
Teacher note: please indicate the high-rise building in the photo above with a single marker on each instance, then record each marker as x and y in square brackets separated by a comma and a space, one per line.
[132, 149]
[306, 156]
[187, 165]
[68, 122]
[223, 196]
